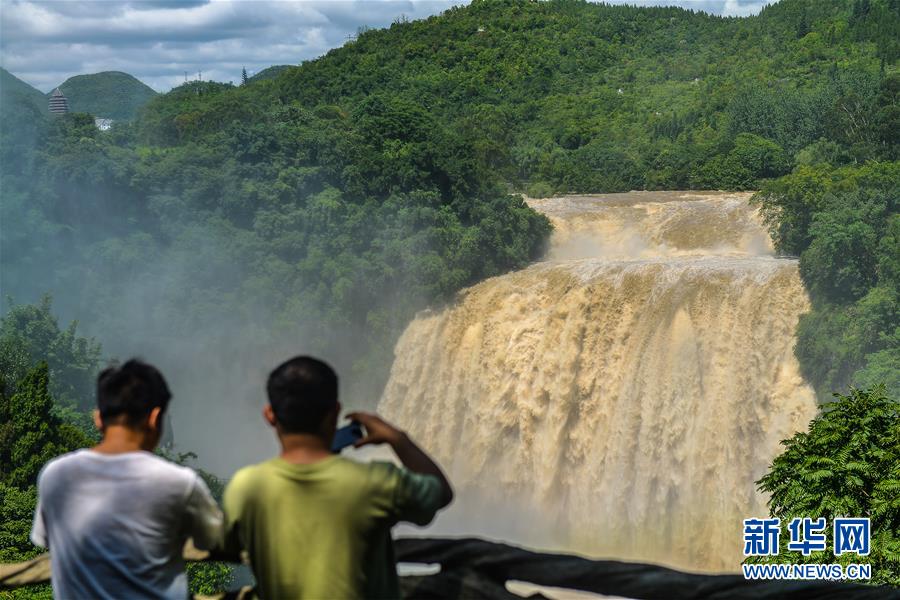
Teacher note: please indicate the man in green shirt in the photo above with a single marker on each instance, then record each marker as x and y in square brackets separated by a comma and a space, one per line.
[317, 525]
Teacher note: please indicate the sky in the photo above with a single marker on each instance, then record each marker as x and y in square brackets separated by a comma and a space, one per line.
[158, 41]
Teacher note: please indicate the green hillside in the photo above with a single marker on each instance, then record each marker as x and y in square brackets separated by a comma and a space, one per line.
[110, 94]
[331, 202]
[577, 96]
[15, 94]
[270, 72]
[23, 119]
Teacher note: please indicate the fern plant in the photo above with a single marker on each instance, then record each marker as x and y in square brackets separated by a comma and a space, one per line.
[846, 465]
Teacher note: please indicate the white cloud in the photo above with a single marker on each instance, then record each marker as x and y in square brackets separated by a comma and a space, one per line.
[743, 8]
[44, 42]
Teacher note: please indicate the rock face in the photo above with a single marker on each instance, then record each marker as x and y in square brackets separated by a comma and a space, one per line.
[620, 398]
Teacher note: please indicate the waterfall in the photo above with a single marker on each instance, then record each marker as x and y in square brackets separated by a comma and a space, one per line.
[620, 398]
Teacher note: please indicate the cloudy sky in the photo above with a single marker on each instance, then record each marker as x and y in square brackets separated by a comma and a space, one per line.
[45, 42]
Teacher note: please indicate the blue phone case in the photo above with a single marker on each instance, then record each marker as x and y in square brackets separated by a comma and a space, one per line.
[346, 436]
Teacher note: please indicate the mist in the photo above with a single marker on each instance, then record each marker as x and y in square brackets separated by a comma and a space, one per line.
[192, 309]
[218, 258]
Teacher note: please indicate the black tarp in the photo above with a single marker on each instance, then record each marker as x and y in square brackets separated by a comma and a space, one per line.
[476, 569]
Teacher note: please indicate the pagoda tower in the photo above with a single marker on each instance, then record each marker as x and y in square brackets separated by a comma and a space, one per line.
[58, 103]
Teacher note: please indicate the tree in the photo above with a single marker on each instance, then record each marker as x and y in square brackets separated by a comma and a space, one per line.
[802, 25]
[30, 333]
[887, 117]
[752, 159]
[16, 513]
[244, 78]
[846, 465]
[841, 262]
[844, 225]
[30, 434]
[29, 437]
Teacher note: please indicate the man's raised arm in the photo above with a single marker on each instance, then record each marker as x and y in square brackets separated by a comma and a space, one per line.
[379, 431]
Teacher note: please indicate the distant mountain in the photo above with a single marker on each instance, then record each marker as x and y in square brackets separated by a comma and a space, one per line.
[110, 94]
[270, 72]
[19, 97]
[24, 118]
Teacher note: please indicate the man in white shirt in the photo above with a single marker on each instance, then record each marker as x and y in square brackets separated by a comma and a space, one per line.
[115, 517]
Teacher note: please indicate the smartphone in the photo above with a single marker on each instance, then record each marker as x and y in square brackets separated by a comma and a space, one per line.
[346, 436]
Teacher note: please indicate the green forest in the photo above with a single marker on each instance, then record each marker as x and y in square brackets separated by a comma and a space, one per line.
[335, 199]
[329, 202]
[47, 376]
[111, 94]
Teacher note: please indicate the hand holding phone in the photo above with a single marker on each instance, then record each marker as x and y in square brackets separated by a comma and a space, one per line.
[346, 436]
[378, 431]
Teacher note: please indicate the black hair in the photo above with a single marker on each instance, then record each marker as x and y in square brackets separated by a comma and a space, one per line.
[303, 391]
[130, 392]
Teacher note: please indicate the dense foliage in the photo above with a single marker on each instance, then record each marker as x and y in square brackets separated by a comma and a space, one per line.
[846, 465]
[30, 435]
[23, 121]
[15, 94]
[268, 73]
[330, 202]
[844, 224]
[34, 428]
[575, 96]
[110, 94]
[30, 334]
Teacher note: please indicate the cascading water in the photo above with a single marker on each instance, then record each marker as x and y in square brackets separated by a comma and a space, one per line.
[620, 398]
